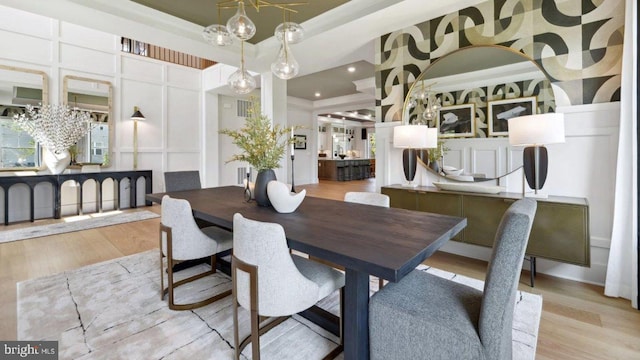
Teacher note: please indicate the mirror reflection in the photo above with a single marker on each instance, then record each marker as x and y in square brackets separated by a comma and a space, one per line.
[94, 96]
[19, 87]
[472, 92]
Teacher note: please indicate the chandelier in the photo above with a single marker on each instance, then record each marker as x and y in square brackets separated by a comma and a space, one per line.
[240, 27]
[427, 100]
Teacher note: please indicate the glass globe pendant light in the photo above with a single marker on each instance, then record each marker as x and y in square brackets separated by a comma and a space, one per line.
[217, 35]
[285, 67]
[241, 82]
[292, 31]
[240, 26]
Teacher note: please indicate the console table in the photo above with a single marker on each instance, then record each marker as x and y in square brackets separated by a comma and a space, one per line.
[560, 229]
[56, 181]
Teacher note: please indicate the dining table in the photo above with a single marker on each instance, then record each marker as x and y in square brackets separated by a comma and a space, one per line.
[363, 239]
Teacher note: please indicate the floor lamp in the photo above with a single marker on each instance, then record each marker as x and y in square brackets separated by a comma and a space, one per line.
[137, 115]
[411, 138]
[534, 131]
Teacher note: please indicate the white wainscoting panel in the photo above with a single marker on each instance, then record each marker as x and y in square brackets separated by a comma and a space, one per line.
[89, 60]
[149, 98]
[183, 118]
[23, 48]
[88, 38]
[138, 68]
[22, 22]
[185, 77]
[178, 161]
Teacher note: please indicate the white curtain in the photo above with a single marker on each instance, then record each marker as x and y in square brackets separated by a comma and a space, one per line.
[622, 268]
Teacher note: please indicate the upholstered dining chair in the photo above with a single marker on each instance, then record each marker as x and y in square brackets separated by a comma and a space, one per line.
[182, 180]
[270, 282]
[181, 239]
[368, 198]
[427, 316]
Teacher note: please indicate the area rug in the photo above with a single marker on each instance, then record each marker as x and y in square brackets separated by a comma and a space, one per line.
[76, 223]
[112, 310]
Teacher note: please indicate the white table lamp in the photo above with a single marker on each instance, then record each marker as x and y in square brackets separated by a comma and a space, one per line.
[534, 131]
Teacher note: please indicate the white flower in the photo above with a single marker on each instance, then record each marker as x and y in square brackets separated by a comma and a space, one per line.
[55, 127]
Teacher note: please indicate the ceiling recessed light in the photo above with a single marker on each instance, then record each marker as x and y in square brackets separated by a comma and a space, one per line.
[351, 69]
[317, 94]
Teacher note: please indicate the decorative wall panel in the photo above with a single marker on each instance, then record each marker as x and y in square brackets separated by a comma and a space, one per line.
[577, 43]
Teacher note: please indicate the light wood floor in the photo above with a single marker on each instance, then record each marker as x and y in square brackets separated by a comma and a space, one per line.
[578, 322]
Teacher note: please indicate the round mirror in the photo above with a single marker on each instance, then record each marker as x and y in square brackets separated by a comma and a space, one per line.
[473, 91]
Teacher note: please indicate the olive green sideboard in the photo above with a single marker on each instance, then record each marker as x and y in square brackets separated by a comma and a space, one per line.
[560, 230]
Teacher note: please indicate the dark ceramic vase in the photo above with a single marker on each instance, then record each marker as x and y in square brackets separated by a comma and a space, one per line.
[260, 189]
[435, 166]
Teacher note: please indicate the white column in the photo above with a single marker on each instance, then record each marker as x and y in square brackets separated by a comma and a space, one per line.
[210, 153]
[273, 100]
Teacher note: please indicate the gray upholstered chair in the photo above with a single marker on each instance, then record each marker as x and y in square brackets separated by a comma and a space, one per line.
[181, 239]
[182, 180]
[425, 316]
[368, 198]
[270, 282]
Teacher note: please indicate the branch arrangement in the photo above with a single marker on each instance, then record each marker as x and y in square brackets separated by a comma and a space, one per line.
[55, 127]
[263, 145]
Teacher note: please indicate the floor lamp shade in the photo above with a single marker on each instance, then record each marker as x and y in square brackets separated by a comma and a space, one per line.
[534, 131]
[410, 138]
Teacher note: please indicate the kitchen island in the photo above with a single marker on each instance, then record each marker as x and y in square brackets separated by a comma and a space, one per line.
[344, 169]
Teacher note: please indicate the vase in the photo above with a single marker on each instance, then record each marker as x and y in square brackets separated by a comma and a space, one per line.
[260, 187]
[56, 162]
[435, 166]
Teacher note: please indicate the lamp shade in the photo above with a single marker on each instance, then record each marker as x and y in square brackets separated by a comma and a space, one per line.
[536, 129]
[415, 137]
[137, 115]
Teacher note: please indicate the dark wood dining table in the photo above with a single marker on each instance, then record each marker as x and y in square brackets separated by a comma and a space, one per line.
[365, 240]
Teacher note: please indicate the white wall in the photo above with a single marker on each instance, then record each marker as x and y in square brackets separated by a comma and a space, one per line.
[305, 162]
[583, 166]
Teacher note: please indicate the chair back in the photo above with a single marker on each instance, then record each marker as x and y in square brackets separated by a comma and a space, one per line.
[189, 242]
[367, 198]
[282, 289]
[501, 283]
[182, 180]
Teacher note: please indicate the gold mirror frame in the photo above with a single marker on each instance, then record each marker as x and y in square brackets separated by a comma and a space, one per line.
[420, 82]
[44, 101]
[110, 122]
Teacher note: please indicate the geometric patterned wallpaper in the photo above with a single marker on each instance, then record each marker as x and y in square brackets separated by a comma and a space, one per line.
[576, 43]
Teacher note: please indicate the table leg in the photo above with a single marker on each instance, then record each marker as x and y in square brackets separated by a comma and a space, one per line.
[133, 194]
[57, 205]
[356, 315]
[148, 188]
[6, 206]
[98, 196]
[80, 200]
[32, 193]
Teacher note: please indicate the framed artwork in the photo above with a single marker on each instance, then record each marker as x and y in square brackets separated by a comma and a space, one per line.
[500, 111]
[301, 142]
[456, 121]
